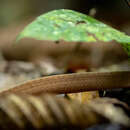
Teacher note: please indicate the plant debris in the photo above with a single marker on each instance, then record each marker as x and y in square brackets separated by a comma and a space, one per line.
[50, 112]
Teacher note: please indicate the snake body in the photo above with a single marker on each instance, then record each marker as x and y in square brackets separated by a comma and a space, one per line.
[72, 83]
[68, 83]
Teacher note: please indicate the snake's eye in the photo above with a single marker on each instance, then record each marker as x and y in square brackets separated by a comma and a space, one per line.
[128, 2]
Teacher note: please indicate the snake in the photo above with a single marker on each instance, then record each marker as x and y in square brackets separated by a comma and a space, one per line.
[67, 55]
[73, 83]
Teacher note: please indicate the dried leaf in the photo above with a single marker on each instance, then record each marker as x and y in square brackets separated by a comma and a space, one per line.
[84, 97]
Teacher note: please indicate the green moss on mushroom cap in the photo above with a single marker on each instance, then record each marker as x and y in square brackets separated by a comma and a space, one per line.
[72, 26]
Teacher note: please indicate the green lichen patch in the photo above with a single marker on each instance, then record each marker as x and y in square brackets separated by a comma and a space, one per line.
[72, 26]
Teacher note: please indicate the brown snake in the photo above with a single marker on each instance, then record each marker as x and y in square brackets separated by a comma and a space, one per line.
[70, 83]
